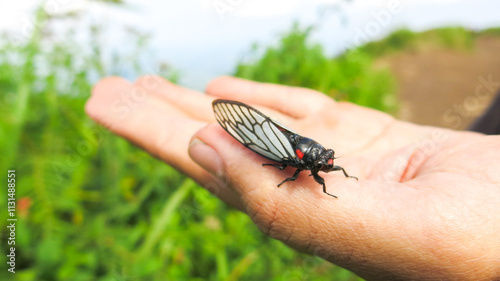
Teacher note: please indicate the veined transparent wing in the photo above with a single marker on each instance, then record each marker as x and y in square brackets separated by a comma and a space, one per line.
[255, 130]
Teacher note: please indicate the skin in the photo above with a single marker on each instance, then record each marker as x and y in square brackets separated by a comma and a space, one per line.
[424, 208]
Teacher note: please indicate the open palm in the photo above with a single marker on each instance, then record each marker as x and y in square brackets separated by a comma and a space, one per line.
[425, 205]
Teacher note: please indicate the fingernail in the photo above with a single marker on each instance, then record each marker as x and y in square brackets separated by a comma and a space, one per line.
[205, 156]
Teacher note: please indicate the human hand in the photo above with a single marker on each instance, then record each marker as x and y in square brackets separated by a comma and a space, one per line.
[424, 206]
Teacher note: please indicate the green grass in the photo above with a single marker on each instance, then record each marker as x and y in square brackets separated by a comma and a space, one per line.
[102, 209]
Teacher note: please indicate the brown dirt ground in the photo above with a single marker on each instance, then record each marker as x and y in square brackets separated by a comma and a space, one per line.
[439, 87]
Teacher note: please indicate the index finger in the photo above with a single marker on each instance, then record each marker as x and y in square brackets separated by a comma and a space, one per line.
[292, 101]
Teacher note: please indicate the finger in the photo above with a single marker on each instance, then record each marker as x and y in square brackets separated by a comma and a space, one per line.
[242, 164]
[293, 101]
[192, 103]
[215, 183]
[143, 118]
[147, 120]
[340, 230]
[243, 169]
[235, 164]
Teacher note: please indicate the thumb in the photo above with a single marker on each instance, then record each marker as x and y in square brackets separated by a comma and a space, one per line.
[294, 214]
[241, 171]
[279, 212]
[229, 161]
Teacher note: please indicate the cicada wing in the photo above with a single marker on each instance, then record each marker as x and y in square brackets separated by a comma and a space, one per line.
[255, 130]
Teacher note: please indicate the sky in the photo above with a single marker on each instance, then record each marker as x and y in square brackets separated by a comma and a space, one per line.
[206, 38]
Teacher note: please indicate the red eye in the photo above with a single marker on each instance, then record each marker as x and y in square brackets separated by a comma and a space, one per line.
[330, 161]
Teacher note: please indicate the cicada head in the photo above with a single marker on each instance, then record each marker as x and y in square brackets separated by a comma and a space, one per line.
[326, 160]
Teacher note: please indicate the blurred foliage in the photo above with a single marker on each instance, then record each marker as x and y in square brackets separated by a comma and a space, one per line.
[90, 205]
[295, 61]
[451, 38]
[495, 31]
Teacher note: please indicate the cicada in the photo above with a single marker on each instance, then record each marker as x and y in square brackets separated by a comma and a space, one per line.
[274, 141]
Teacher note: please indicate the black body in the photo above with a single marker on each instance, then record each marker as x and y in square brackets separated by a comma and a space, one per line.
[274, 141]
[316, 158]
